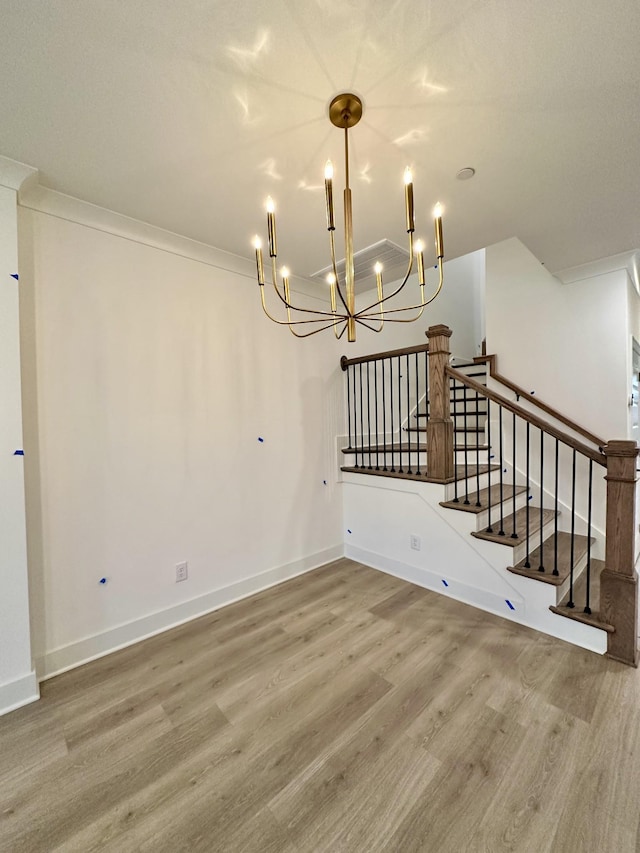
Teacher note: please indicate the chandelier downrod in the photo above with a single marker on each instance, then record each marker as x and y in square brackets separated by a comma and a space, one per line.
[345, 111]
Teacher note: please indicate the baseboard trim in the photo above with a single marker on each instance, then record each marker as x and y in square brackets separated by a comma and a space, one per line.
[474, 596]
[83, 651]
[15, 694]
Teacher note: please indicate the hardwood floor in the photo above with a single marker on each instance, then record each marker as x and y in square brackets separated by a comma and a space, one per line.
[344, 710]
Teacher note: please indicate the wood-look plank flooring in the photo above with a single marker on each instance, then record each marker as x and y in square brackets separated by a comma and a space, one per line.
[344, 710]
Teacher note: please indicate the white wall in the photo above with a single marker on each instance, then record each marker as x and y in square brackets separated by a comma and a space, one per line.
[17, 678]
[152, 376]
[459, 305]
[565, 342]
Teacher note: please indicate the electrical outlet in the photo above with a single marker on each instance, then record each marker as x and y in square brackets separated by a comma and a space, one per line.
[182, 572]
[414, 541]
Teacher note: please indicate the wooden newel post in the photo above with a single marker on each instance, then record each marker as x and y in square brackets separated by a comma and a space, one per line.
[439, 425]
[619, 579]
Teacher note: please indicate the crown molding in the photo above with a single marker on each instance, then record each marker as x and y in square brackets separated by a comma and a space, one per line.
[53, 203]
[16, 176]
[628, 261]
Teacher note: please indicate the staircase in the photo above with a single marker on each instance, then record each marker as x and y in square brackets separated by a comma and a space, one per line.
[534, 488]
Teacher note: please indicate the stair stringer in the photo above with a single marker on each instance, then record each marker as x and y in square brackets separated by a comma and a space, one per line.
[380, 515]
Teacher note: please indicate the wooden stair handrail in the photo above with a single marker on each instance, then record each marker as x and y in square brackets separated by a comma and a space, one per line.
[345, 362]
[521, 392]
[534, 420]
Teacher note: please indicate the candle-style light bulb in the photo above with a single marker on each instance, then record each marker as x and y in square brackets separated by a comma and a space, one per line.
[285, 272]
[271, 228]
[408, 199]
[257, 245]
[328, 193]
[437, 213]
[331, 281]
[419, 249]
[377, 268]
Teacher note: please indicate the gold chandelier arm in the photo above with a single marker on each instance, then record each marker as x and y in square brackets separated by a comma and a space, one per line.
[421, 305]
[334, 318]
[368, 325]
[295, 307]
[365, 311]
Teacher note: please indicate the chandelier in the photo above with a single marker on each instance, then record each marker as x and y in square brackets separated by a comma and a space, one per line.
[345, 111]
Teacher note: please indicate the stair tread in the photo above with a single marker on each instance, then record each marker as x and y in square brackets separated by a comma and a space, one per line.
[421, 447]
[455, 429]
[537, 517]
[424, 475]
[492, 494]
[548, 555]
[579, 596]
[476, 413]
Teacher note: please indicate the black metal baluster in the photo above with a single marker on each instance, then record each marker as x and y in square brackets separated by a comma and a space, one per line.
[369, 412]
[417, 421]
[409, 471]
[426, 403]
[571, 602]
[349, 402]
[466, 447]
[501, 531]
[527, 562]
[514, 535]
[361, 421]
[541, 566]
[453, 384]
[375, 396]
[355, 417]
[393, 457]
[555, 520]
[489, 527]
[587, 608]
[384, 417]
[478, 502]
[400, 469]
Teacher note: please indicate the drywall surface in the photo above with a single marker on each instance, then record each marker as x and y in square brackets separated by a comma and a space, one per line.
[170, 421]
[17, 681]
[459, 305]
[565, 342]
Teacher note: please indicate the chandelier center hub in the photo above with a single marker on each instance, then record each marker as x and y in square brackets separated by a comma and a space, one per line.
[345, 110]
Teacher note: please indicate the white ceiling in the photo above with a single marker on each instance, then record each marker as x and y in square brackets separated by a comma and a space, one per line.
[187, 113]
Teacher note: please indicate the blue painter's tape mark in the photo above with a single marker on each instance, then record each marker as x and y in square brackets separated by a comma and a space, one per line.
[505, 470]
[511, 607]
[15, 275]
[103, 581]
[530, 497]
[325, 482]
[493, 456]
[19, 453]
[445, 583]
[261, 439]
[533, 392]
[348, 531]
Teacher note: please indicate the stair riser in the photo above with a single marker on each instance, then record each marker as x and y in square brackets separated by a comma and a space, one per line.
[473, 485]
[507, 509]
[519, 552]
